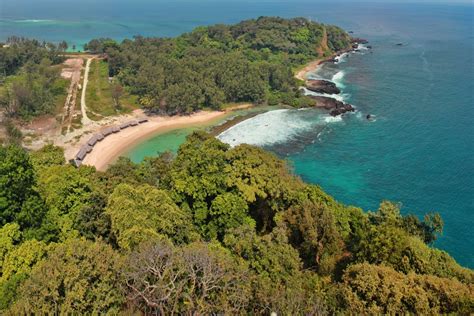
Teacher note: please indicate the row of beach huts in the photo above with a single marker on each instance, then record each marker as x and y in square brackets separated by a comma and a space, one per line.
[87, 148]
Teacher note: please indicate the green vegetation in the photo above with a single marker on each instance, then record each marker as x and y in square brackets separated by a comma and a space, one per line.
[214, 230]
[103, 97]
[29, 83]
[251, 61]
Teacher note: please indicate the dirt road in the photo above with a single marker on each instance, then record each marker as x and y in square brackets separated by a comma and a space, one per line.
[85, 119]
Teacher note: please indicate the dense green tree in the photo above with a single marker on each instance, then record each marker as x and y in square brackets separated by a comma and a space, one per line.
[92, 221]
[300, 294]
[144, 212]
[47, 156]
[311, 229]
[389, 244]
[33, 90]
[17, 181]
[77, 277]
[16, 267]
[227, 211]
[66, 190]
[10, 235]
[197, 174]
[370, 289]
[270, 256]
[262, 180]
[156, 170]
[20, 51]
[101, 45]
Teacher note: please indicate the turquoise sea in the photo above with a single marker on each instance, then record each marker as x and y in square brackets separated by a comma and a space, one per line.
[419, 149]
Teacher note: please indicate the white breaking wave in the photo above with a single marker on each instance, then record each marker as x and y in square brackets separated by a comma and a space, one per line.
[275, 127]
[33, 21]
[332, 119]
[338, 78]
[265, 129]
[341, 58]
[339, 97]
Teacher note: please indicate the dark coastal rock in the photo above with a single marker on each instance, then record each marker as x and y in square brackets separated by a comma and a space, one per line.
[360, 41]
[369, 46]
[322, 86]
[334, 106]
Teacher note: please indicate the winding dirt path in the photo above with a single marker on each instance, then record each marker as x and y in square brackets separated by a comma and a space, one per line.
[71, 71]
[302, 74]
[85, 120]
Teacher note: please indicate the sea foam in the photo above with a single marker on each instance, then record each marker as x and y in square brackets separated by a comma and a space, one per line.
[270, 128]
[341, 58]
[278, 127]
[338, 78]
[332, 119]
[339, 97]
[33, 21]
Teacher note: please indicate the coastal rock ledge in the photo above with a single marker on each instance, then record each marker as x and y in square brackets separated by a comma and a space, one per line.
[334, 106]
[322, 86]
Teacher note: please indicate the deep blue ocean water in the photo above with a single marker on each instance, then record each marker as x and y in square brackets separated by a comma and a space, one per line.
[418, 151]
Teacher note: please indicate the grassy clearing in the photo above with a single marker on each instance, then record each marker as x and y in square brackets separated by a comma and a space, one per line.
[99, 93]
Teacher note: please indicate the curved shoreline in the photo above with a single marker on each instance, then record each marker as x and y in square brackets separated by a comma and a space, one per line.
[108, 150]
[312, 66]
[113, 146]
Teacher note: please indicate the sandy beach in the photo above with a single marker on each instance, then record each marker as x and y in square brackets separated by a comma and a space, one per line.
[109, 149]
[310, 67]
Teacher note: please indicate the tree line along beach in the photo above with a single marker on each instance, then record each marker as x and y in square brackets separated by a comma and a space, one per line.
[220, 226]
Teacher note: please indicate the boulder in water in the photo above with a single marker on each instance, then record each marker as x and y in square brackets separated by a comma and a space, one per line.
[322, 86]
[360, 41]
[334, 106]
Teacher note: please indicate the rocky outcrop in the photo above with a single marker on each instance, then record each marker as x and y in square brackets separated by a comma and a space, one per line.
[334, 106]
[357, 40]
[322, 86]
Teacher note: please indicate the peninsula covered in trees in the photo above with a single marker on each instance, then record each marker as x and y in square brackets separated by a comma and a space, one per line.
[253, 61]
[212, 229]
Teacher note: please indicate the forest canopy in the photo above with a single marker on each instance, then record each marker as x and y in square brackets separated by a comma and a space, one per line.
[252, 61]
[211, 230]
[29, 80]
